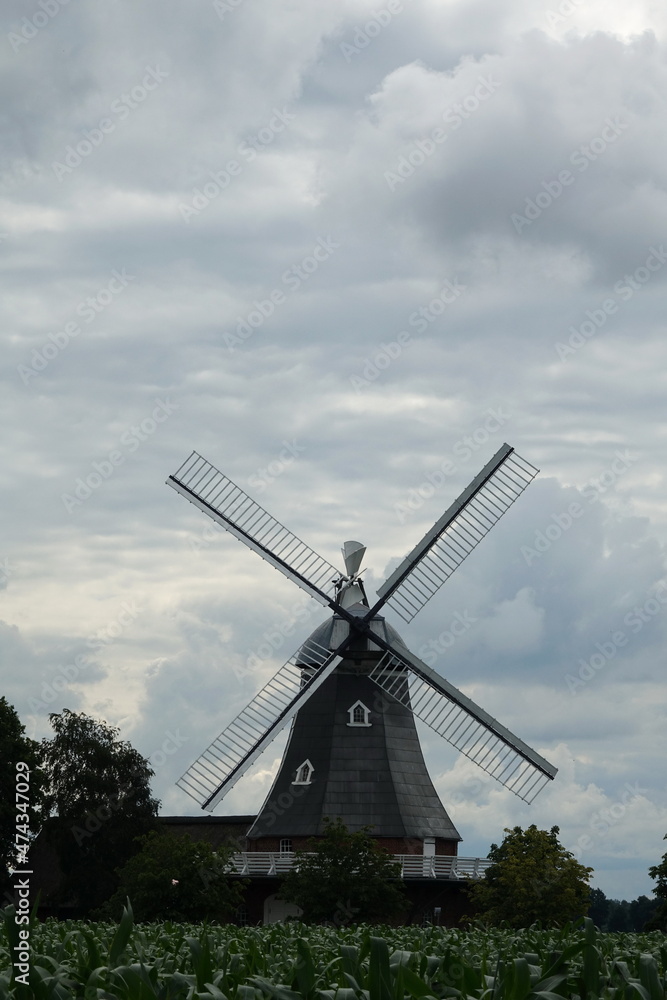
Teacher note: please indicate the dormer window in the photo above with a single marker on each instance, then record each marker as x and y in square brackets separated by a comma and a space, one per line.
[358, 714]
[304, 774]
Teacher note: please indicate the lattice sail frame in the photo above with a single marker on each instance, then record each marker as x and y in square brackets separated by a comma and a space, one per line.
[454, 536]
[420, 575]
[227, 758]
[466, 726]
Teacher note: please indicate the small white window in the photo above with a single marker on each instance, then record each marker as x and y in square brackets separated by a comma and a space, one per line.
[304, 774]
[358, 714]
[285, 845]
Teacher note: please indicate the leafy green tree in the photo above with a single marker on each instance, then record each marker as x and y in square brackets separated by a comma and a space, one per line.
[176, 878]
[15, 810]
[532, 878]
[659, 872]
[344, 877]
[99, 800]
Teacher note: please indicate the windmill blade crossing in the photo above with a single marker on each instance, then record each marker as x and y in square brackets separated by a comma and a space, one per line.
[210, 490]
[456, 533]
[462, 723]
[231, 754]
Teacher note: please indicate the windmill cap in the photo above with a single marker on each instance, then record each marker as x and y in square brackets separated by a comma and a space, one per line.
[353, 553]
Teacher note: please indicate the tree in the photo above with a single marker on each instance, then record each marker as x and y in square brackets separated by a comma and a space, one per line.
[15, 806]
[659, 873]
[344, 877]
[176, 878]
[532, 878]
[99, 801]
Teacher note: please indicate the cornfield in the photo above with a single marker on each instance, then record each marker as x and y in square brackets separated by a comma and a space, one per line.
[295, 962]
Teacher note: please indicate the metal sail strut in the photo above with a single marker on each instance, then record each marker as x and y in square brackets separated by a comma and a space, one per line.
[465, 725]
[230, 755]
[456, 533]
[210, 490]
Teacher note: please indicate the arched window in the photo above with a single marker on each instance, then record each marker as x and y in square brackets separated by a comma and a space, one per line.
[304, 774]
[358, 714]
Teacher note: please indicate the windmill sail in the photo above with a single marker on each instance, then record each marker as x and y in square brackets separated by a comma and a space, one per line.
[210, 490]
[462, 723]
[242, 741]
[456, 533]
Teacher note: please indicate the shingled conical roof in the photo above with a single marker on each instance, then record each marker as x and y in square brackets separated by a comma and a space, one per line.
[365, 767]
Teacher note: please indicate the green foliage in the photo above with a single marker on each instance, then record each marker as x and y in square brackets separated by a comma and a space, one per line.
[659, 873]
[344, 877]
[176, 878]
[621, 915]
[296, 962]
[532, 878]
[100, 800]
[16, 747]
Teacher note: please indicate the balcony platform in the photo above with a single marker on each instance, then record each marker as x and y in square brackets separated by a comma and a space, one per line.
[413, 866]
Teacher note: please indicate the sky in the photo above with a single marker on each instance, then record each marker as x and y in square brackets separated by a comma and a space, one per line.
[345, 251]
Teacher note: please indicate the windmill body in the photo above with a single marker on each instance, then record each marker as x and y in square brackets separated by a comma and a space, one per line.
[353, 689]
[354, 754]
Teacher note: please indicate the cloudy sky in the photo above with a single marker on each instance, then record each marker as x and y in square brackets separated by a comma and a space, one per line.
[344, 251]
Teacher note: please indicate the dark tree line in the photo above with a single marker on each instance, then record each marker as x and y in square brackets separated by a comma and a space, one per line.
[620, 915]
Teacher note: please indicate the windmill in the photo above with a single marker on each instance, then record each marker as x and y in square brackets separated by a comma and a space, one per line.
[353, 688]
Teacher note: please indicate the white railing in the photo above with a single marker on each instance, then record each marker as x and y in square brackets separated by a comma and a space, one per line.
[412, 865]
